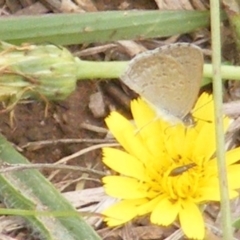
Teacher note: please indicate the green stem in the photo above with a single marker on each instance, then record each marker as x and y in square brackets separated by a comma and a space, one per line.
[108, 70]
[102, 70]
[218, 102]
[227, 72]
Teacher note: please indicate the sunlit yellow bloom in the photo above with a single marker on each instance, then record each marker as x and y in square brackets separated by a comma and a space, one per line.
[165, 170]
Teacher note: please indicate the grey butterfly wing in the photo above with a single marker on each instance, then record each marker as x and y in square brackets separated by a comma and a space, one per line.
[191, 59]
[159, 79]
[168, 77]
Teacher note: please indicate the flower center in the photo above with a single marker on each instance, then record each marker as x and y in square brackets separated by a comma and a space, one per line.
[180, 179]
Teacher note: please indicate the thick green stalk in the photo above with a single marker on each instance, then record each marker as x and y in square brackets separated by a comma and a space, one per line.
[109, 70]
[29, 190]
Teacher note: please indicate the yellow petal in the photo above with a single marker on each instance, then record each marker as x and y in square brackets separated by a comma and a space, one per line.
[123, 163]
[204, 114]
[205, 100]
[205, 144]
[209, 194]
[233, 194]
[234, 176]
[191, 220]
[233, 156]
[117, 124]
[204, 110]
[213, 194]
[122, 212]
[165, 212]
[189, 144]
[175, 139]
[149, 206]
[125, 133]
[124, 187]
[144, 117]
[147, 126]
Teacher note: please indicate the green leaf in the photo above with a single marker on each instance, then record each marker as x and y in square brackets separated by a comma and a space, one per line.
[100, 26]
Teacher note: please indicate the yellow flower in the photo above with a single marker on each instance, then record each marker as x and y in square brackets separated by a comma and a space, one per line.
[166, 171]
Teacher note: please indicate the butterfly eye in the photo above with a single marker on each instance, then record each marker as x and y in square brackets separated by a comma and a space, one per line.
[179, 170]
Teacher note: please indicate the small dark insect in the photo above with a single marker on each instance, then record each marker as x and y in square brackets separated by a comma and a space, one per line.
[179, 170]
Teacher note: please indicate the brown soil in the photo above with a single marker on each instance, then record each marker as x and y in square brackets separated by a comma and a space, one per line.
[62, 121]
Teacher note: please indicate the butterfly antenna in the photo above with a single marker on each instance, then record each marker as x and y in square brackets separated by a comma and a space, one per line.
[145, 125]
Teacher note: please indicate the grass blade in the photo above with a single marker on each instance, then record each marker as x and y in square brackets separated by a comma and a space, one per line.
[100, 27]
